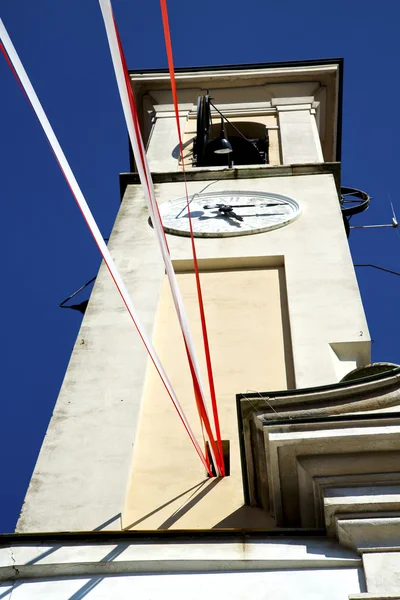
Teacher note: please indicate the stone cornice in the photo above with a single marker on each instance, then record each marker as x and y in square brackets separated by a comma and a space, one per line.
[70, 558]
[314, 456]
[374, 393]
[248, 172]
[369, 532]
[268, 73]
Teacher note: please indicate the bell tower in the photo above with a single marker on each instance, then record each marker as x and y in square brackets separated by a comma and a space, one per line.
[275, 266]
[309, 428]
[260, 147]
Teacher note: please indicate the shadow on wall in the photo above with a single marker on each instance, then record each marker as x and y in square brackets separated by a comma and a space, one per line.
[113, 554]
[94, 581]
[181, 511]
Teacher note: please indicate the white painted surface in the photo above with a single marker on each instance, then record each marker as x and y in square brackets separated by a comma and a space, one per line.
[164, 140]
[79, 480]
[382, 572]
[216, 568]
[335, 584]
[292, 553]
[299, 136]
[345, 357]
[82, 472]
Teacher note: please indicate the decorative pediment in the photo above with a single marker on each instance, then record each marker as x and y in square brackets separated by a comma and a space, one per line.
[311, 455]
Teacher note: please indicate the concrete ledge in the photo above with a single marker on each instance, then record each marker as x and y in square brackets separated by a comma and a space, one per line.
[360, 500]
[369, 532]
[368, 596]
[256, 171]
[32, 561]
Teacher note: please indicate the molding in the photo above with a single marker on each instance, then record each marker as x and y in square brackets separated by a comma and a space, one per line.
[368, 596]
[166, 111]
[320, 75]
[311, 455]
[281, 103]
[67, 558]
[249, 71]
[369, 532]
[381, 500]
[247, 172]
[248, 111]
[294, 107]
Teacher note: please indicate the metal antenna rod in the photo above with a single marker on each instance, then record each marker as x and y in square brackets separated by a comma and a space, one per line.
[393, 224]
[394, 219]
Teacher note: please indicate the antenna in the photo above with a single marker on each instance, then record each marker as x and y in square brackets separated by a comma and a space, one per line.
[393, 224]
[394, 219]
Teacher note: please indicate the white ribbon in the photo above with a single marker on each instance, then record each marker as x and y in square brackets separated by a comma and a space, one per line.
[74, 186]
[145, 176]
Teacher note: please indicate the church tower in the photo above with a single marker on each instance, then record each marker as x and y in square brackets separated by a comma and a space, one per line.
[303, 440]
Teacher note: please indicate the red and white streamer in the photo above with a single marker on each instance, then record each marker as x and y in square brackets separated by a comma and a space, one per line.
[131, 118]
[168, 47]
[12, 58]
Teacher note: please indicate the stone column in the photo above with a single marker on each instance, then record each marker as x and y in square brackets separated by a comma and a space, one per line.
[164, 135]
[300, 141]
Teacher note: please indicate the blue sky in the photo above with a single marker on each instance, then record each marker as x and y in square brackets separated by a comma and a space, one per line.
[46, 249]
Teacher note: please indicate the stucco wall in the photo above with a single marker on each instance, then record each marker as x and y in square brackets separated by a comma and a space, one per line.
[80, 479]
[238, 567]
[251, 349]
[334, 584]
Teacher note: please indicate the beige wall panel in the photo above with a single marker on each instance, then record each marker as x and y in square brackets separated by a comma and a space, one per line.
[248, 339]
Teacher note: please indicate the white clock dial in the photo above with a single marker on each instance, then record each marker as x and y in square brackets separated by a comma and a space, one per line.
[228, 213]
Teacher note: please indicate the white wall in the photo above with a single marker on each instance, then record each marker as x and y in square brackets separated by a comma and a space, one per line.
[81, 475]
[333, 584]
[239, 568]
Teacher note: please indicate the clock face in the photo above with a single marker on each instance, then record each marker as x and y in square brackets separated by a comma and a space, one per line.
[225, 214]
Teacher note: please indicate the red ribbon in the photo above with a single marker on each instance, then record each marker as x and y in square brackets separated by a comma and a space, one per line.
[219, 453]
[204, 420]
[81, 202]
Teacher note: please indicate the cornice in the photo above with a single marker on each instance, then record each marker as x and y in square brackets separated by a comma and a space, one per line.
[245, 172]
[369, 532]
[275, 71]
[311, 456]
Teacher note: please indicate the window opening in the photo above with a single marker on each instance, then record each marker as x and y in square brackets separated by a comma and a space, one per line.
[227, 144]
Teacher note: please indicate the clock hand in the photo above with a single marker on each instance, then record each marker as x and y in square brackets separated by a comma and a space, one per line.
[227, 211]
[209, 206]
[269, 214]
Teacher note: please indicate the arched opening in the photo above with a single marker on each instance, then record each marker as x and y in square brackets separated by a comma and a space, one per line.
[245, 142]
[251, 149]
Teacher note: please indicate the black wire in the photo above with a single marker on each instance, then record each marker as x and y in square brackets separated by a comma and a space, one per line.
[380, 268]
[75, 293]
[231, 124]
